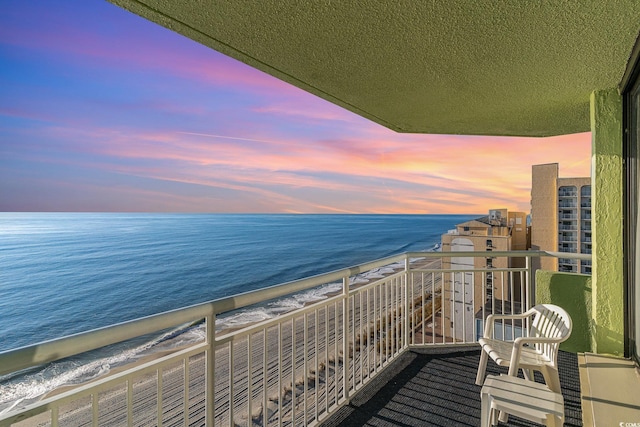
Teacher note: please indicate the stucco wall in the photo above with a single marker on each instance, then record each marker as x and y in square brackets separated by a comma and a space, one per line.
[573, 293]
[607, 208]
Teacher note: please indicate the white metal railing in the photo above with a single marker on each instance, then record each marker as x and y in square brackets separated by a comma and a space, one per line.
[294, 369]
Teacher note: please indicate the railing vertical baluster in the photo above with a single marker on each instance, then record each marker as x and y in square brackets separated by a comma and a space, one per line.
[185, 363]
[265, 382]
[407, 308]
[326, 358]
[389, 319]
[529, 284]
[453, 307]
[400, 314]
[294, 355]
[55, 414]
[370, 344]
[397, 303]
[364, 335]
[129, 403]
[493, 299]
[159, 373]
[433, 311]
[210, 369]
[94, 409]
[381, 325]
[423, 306]
[249, 380]
[335, 354]
[484, 302]
[280, 366]
[360, 333]
[376, 336]
[465, 286]
[392, 322]
[383, 302]
[442, 317]
[392, 326]
[473, 308]
[345, 337]
[317, 362]
[353, 340]
[392, 316]
[513, 300]
[502, 293]
[231, 393]
[305, 368]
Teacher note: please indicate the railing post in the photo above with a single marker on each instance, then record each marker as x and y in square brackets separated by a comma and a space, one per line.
[345, 337]
[529, 301]
[211, 364]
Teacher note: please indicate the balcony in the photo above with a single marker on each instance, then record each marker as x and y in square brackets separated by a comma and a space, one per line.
[564, 215]
[420, 389]
[303, 367]
[567, 204]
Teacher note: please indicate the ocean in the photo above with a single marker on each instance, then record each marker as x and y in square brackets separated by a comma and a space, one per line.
[64, 273]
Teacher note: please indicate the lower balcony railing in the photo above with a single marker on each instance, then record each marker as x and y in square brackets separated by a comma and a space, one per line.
[291, 370]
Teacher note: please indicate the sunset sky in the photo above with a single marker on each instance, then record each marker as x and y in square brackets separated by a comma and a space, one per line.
[101, 110]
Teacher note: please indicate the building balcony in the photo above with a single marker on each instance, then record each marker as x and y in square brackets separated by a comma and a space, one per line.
[568, 227]
[311, 365]
[567, 237]
[568, 216]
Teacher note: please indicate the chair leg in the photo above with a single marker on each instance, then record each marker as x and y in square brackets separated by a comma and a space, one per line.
[528, 374]
[482, 367]
[552, 379]
[486, 413]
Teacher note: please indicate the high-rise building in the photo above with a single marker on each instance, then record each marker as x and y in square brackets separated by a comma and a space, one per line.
[560, 217]
[466, 293]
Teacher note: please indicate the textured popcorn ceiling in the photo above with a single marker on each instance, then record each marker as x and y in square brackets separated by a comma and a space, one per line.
[509, 67]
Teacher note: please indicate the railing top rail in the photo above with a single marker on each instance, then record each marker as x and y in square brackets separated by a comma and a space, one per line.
[21, 358]
[48, 351]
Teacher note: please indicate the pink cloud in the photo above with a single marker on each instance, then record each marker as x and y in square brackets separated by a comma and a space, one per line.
[426, 173]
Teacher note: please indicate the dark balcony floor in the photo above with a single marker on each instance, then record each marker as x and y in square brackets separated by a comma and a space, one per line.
[437, 388]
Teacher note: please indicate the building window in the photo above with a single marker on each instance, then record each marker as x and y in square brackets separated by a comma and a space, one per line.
[568, 191]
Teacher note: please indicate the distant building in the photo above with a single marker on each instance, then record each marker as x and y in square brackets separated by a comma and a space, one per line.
[467, 293]
[560, 217]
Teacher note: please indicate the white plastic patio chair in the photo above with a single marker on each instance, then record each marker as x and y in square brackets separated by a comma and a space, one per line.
[537, 351]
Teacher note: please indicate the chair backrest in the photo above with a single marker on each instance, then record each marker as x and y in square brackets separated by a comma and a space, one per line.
[550, 321]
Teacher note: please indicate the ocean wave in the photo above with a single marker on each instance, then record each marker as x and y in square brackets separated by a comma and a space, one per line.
[269, 310]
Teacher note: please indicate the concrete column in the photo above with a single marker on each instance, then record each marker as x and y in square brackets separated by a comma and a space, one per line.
[607, 181]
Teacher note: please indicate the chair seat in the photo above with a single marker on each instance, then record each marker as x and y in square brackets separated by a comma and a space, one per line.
[500, 352]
